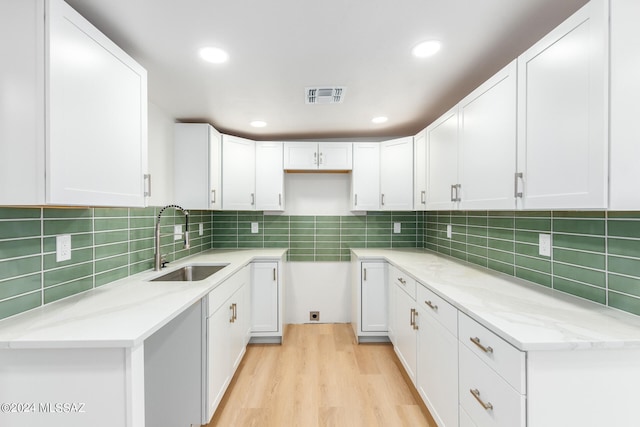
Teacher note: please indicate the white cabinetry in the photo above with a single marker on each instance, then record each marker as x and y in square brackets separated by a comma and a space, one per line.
[405, 336]
[197, 166]
[266, 302]
[369, 313]
[318, 156]
[238, 173]
[442, 170]
[78, 111]
[396, 174]
[563, 114]
[420, 171]
[227, 334]
[624, 173]
[487, 150]
[365, 178]
[269, 176]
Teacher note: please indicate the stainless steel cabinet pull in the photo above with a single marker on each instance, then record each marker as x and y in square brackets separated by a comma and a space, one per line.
[401, 280]
[382, 199]
[147, 179]
[423, 197]
[456, 188]
[415, 323]
[355, 200]
[364, 270]
[412, 318]
[279, 199]
[516, 193]
[232, 314]
[320, 162]
[431, 305]
[452, 189]
[213, 196]
[476, 394]
[476, 341]
[315, 158]
[274, 275]
[253, 199]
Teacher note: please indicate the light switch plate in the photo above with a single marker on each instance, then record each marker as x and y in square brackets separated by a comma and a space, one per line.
[397, 228]
[177, 232]
[544, 244]
[63, 247]
[254, 227]
[448, 231]
[200, 229]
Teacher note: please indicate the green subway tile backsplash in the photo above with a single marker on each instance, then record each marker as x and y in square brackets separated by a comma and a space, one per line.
[595, 254]
[107, 244]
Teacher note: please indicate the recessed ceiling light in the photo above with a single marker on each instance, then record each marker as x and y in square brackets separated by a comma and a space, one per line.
[426, 49]
[214, 55]
[258, 124]
[378, 120]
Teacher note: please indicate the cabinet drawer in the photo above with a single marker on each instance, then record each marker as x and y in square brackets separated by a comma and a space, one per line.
[437, 307]
[487, 398]
[505, 359]
[224, 290]
[403, 280]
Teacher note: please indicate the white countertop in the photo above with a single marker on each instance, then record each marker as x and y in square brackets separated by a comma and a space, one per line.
[123, 313]
[529, 316]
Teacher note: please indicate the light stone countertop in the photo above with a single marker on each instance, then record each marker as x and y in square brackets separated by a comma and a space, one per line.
[122, 313]
[529, 316]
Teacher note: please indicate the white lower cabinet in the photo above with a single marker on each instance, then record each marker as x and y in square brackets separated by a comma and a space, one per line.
[405, 332]
[370, 300]
[227, 335]
[265, 299]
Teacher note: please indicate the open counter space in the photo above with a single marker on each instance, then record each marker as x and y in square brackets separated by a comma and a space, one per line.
[123, 313]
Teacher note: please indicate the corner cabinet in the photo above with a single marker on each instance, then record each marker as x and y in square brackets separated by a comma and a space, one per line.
[80, 113]
[314, 156]
[563, 114]
[396, 174]
[197, 169]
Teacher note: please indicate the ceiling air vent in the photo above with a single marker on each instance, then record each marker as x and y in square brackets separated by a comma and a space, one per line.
[324, 95]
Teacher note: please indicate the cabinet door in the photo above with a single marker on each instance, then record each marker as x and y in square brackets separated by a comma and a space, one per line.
[487, 157]
[269, 176]
[335, 156]
[264, 297]
[420, 171]
[406, 342]
[442, 171]
[437, 369]
[218, 356]
[365, 178]
[300, 156]
[238, 173]
[396, 174]
[97, 116]
[562, 114]
[374, 297]
[624, 173]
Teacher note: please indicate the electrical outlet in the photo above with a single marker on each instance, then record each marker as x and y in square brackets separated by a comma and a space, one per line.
[254, 227]
[544, 244]
[63, 247]
[177, 232]
[397, 227]
[449, 232]
[200, 229]
[314, 316]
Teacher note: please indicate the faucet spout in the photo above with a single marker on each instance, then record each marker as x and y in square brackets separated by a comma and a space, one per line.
[158, 262]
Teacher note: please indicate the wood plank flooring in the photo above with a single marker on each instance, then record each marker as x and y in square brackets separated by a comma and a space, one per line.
[321, 377]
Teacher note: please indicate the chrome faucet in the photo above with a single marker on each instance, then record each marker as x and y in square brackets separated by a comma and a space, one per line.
[158, 261]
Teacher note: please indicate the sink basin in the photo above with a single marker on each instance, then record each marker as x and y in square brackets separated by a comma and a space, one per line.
[190, 273]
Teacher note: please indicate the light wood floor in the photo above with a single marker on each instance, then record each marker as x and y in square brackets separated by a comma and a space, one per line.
[321, 377]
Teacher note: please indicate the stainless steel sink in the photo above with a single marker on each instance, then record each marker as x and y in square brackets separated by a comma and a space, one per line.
[190, 273]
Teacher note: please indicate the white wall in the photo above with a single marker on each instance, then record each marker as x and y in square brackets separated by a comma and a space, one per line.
[160, 156]
[318, 286]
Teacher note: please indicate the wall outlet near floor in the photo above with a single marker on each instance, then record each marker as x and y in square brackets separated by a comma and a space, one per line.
[177, 232]
[544, 244]
[314, 316]
[200, 229]
[254, 227]
[397, 228]
[63, 247]
[448, 231]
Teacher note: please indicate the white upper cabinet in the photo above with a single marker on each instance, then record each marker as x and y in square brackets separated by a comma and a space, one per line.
[92, 97]
[420, 171]
[238, 174]
[442, 170]
[318, 156]
[269, 177]
[197, 166]
[487, 143]
[396, 174]
[563, 114]
[624, 173]
[365, 178]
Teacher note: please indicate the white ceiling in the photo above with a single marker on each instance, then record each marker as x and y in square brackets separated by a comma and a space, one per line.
[279, 47]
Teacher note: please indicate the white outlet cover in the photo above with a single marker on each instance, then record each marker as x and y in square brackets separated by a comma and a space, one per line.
[63, 247]
[177, 232]
[544, 244]
[254, 227]
[200, 229]
[449, 231]
[397, 228]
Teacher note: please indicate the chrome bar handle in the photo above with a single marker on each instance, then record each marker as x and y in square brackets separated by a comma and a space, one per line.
[452, 189]
[315, 158]
[415, 323]
[431, 305]
[235, 312]
[364, 274]
[253, 199]
[517, 194]
[213, 196]
[412, 321]
[320, 157]
[279, 199]
[147, 188]
[382, 199]
[476, 393]
[476, 341]
[355, 200]
[423, 197]
[232, 314]
[458, 187]
[275, 278]
[401, 280]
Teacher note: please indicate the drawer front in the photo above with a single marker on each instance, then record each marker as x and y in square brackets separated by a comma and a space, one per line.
[403, 280]
[224, 290]
[485, 396]
[502, 357]
[437, 307]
